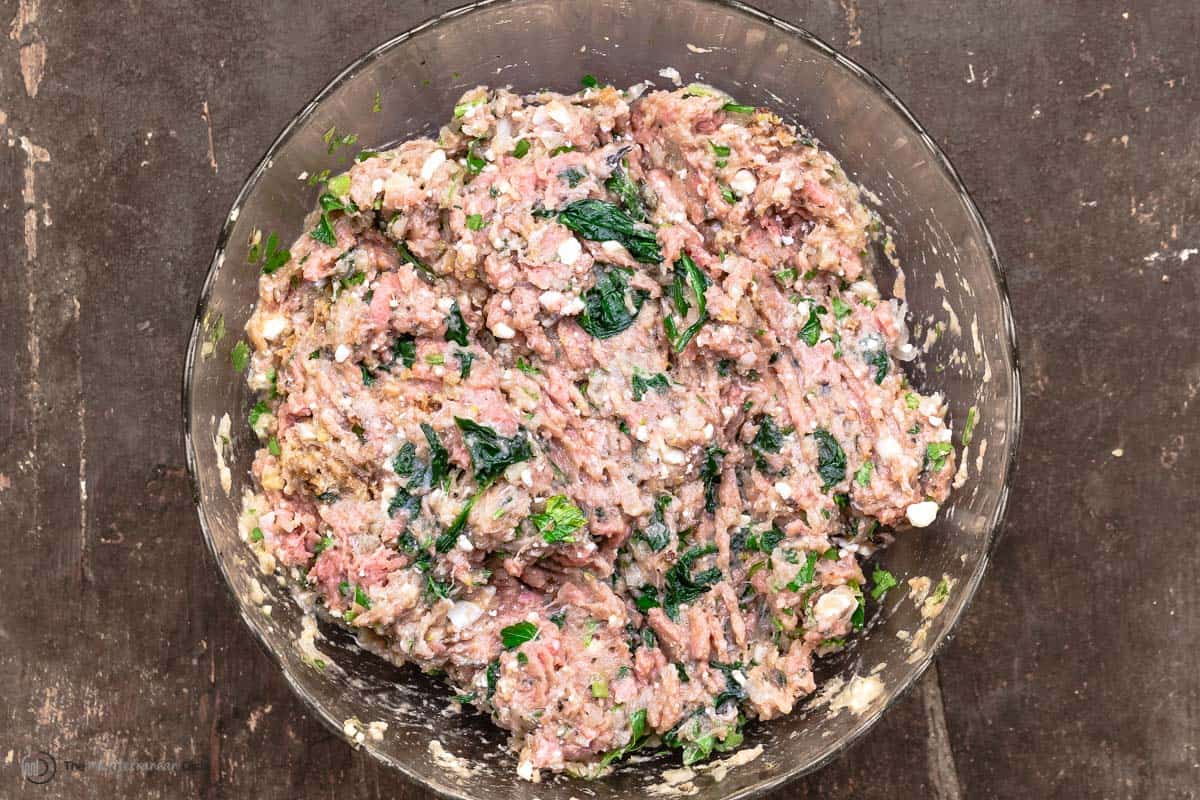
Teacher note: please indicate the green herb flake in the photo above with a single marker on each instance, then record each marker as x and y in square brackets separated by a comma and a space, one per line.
[239, 356]
[475, 222]
[720, 150]
[526, 367]
[256, 535]
[589, 82]
[912, 400]
[863, 476]
[404, 350]
[840, 309]
[475, 162]
[516, 635]
[882, 580]
[600, 688]
[560, 520]
[737, 108]
[273, 447]
[936, 454]
[272, 256]
[256, 413]
[521, 149]
[324, 233]
[810, 334]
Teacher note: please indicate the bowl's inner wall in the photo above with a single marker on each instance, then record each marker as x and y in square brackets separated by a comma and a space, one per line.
[532, 45]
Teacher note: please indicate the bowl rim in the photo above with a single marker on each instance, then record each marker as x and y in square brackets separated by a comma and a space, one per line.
[1013, 423]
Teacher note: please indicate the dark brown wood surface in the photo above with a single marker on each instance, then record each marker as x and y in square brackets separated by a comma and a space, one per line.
[129, 126]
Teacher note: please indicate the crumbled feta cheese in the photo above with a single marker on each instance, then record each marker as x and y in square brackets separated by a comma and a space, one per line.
[432, 162]
[272, 327]
[341, 353]
[569, 250]
[503, 331]
[784, 490]
[922, 515]
[887, 448]
[673, 455]
[744, 182]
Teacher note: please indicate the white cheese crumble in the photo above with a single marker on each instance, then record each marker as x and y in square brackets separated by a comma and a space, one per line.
[922, 515]
[744, 182]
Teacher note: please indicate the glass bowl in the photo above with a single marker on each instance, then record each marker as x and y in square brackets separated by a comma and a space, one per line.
[959, 310]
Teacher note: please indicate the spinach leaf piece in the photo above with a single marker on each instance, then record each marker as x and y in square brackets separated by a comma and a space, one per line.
[602, 221]
[490, 452]
[769, 439]
[607, 305]
[456, 328]
[710, 473]
[439, 457]
[657, 534]
[684, 587]
[689, 278]
[628, 192]
[831, 459]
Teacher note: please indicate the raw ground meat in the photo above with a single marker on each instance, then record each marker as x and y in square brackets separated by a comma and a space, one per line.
[592, 405]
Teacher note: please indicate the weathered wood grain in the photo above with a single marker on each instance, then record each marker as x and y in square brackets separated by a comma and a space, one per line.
[130, 125]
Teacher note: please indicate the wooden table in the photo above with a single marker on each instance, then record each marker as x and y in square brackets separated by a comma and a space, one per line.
[130, 125]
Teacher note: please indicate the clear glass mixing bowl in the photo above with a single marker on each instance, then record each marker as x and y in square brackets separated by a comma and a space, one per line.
[954, 285]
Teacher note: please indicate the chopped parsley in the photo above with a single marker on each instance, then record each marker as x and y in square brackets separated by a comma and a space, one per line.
[573, 176]
[657, 534]
[526, 367]
[521, 149]
[879, 360]
[912, 400]
[560, 520]
[270, 254]
[256, 535]
[682, 586]
[589, 82]
[810, 334]
[475, 222]
[863, 476]
[239, 356]
[518, 634]
[936, 454]
[840, 309]
[882, 580]
[637, 737]
[737, 108]
[465, 359]
[710, 474]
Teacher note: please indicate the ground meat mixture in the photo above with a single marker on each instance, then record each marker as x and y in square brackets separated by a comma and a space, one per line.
[591, 405]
